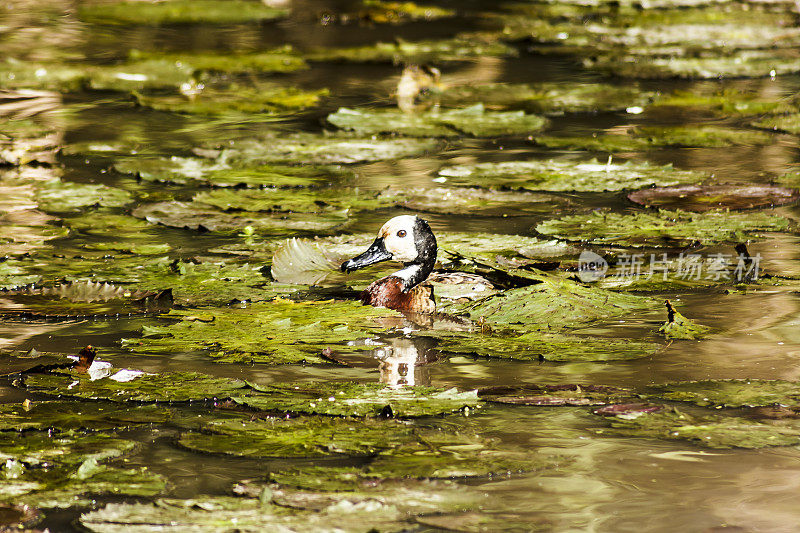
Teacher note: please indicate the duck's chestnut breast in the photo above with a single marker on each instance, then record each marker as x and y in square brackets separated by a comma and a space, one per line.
[388, 292]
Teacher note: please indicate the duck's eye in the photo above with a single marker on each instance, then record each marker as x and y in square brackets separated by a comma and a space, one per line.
[401, 233]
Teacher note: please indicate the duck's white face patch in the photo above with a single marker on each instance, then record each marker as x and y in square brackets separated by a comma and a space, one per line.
[398, 238]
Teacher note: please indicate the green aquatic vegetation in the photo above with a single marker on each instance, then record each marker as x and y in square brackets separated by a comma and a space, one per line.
[736, 64]
[316, 436]
[705, 198]
[13, 276]
[554, 394]
[461, 48]
[303, 148]
[282, 59]
[473, 120]
[21, 74]
[200, 217]
[275, 332]
[707, 431]
[179, 12]
[63, 196]
[183, 170]
[264, 98]
[226, 513]
[519, 345]
[131, 247]
[550, 303]
[302, 201]
[357, 399]
[190, 282]
[678, 326]
[401, 450]
[164, 387]
[47, 470]
[473, 201]
[557, 175]
[383, 12]
[71, 415]
[785, 123]
[548, 98]
[647, 138]
[139, 75]
[730, 392]
[725, 102]
[662, 228]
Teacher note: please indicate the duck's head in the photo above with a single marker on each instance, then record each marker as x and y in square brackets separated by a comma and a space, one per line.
[405, 238]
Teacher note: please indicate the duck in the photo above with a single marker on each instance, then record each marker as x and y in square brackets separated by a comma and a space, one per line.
[409, 240]
[416, 81]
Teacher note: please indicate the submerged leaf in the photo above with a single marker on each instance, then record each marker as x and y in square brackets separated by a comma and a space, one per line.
[554, 394]
[71, 415]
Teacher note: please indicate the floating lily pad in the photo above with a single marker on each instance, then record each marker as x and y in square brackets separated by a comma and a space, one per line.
[704, 198]
[182, 170]
[554, 394]
[457, 49]
[731, 392]
[270, 99]
[725, 102]
[276, 332]
[17, 73]
[708, 431]
[646, 138]
[320, 149]
[551, 303]
[474, 120]
[786, 123]
[548, 98]
[402, 450]
[737, 64]
[664, 228]
[382, 12]
[62, 196]
[223, 513]
[556, 175]
[165, 387]
[303, 437]
[196, 216]
[56, 470]
[179, 12]
[355, 399]
[282, 59]
[71, 415]
[139, 75]
[536, 346]
[474, 201]
[305, 201]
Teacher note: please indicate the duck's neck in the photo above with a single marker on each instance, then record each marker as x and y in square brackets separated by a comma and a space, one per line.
[412, 274]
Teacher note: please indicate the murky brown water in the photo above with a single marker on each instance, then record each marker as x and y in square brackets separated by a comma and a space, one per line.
[618, 485]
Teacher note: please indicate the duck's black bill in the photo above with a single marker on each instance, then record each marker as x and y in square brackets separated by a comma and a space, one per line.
[374, 254]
